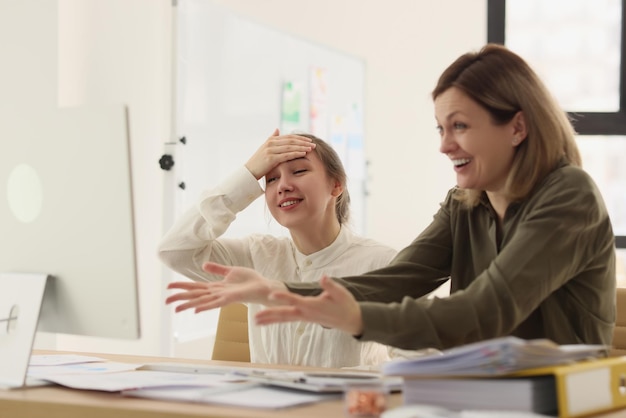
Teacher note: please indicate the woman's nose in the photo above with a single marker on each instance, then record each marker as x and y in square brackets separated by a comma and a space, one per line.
[447, 144]
[284, 184]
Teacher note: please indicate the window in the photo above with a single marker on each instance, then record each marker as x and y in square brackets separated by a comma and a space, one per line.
[578, 49]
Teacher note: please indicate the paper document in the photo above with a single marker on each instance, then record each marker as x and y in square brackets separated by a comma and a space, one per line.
[493, 357]
[61, 359]
[322, 382]
[245, 395]
[119, 381]
[47, 372]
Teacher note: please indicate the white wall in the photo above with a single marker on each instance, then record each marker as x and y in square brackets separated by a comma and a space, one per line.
[119, 50]
[406, 44]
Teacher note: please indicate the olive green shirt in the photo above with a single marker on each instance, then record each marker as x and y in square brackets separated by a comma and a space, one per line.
[547, 272]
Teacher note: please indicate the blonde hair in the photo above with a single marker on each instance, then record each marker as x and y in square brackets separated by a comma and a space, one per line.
[504, 84]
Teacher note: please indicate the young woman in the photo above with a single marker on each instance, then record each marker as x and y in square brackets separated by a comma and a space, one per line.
[524, 237]
[305, 191]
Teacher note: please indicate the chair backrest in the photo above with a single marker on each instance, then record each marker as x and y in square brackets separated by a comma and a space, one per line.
[619, 334]
[231, 338]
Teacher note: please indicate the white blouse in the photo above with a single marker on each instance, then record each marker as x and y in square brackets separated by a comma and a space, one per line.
[193, 240]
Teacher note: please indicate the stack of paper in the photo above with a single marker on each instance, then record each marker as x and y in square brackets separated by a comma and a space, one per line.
[536, 376]
[535, 394]
[494, 357]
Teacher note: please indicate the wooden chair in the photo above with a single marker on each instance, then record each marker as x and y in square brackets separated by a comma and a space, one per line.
[231, 339]
[619, 334]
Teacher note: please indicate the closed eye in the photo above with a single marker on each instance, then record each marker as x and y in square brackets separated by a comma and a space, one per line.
[270, 179]
[300, 171]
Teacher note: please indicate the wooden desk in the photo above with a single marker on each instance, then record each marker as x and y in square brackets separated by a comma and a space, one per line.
[59, 402]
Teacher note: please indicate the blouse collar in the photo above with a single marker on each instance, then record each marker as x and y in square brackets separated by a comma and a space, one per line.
[326, 255]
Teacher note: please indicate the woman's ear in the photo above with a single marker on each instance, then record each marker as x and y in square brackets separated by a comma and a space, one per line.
[337, 189]
[518, 123]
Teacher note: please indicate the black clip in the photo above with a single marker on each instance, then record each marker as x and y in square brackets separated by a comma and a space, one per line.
[166, 162]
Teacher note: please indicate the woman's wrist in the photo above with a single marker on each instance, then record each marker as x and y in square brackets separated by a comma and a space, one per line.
[274, 286]
[356, 324]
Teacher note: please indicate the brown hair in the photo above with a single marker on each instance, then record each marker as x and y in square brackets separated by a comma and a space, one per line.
[504, 84]
[335, 170]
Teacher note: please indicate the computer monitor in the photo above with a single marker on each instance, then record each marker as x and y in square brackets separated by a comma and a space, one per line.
[66, 210]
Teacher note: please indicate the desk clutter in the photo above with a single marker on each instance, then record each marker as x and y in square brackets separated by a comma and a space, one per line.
[522, 378]
[251, 387]
[494, 357]
[511, 374]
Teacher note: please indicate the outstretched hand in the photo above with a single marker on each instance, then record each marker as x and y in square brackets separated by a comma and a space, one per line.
[278, 149]
[240, 284]
[335, 307]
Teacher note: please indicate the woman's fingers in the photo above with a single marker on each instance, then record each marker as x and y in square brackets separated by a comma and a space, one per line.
[202, 300]
[277, 314]
[204, 303]
[214, 268]
[187, 285]
[192, 290]
[335, 308]
[276, 150]
[331, 286]
[186, 295]
[285, 298]
[283, 147]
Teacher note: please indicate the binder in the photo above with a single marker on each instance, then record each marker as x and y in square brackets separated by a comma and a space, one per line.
[568, 391]
[586, 387]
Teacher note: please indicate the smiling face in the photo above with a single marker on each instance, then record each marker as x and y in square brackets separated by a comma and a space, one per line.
[300, 195]
[481, 151]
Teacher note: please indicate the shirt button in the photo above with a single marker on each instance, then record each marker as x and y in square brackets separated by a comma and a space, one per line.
[308, 263]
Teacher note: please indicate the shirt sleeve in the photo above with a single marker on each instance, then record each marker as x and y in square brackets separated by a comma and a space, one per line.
[193, 238]
[559, 256]
[415, 271]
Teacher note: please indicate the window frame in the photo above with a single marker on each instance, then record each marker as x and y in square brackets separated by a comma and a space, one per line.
[585, 123]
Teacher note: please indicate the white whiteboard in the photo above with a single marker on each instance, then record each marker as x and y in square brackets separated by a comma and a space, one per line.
[230, 75]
